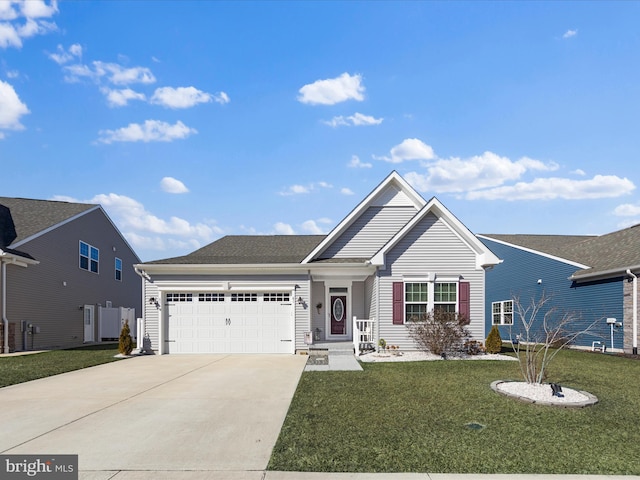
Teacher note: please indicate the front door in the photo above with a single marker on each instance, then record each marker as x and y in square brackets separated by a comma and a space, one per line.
[338, 314]
[89, 327]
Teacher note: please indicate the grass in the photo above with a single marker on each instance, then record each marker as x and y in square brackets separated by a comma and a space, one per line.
[23, 368]
[411, 417]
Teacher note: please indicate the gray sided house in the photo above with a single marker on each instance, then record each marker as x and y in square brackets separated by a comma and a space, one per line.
[62, 265]
[591, 277]
[393, 256]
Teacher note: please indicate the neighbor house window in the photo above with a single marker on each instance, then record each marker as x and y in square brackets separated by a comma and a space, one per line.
[118, 267]
[89, 257]
[416, 301]
[502, 312]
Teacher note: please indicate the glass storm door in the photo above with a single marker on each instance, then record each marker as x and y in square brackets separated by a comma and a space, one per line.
[338, 314]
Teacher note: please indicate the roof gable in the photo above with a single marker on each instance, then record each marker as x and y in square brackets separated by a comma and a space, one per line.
[484, 256]
[393, 191]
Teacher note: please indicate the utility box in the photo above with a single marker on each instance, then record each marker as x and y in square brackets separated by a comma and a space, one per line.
[308, 338]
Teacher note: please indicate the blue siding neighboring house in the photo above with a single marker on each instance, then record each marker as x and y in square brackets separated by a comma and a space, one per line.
[592, 277]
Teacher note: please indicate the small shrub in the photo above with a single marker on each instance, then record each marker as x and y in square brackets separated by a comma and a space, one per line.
[494, 341]
[440, 332]
[473, 347]
[125, 345]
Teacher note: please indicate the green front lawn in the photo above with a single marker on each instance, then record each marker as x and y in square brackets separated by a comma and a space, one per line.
[411, 417]
[22, 368]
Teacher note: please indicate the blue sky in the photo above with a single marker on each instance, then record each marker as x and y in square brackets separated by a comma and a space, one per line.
[192, 120]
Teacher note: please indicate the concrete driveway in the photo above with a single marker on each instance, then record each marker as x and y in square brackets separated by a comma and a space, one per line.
[171, 416]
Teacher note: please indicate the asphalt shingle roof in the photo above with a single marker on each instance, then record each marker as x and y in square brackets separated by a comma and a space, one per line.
[614, 251]
[249, 249]
[33, 216]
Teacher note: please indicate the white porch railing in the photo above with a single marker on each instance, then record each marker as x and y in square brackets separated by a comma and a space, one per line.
[363, 335]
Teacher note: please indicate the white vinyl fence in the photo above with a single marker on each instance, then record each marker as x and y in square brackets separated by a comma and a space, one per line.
[111, 321]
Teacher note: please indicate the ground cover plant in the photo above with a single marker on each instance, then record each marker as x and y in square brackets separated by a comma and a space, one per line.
[415, 416]
[23, 368]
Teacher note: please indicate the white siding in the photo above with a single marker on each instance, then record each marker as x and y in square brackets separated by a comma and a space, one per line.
[430, 248]
[370, 232]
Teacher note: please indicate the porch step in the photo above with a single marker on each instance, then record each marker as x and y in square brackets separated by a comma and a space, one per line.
[331, 348]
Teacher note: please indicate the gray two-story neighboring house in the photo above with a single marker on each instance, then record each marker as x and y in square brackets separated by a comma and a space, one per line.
[60, 263]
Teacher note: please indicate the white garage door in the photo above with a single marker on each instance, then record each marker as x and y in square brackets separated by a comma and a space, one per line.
[230, 322]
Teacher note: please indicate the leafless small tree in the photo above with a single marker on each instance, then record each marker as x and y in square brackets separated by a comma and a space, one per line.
[439, 332]
[539, 341]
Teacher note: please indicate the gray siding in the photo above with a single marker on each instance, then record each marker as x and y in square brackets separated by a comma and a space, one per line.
[357, 300]
[317, 317]
[431, 247]
[370, 232]
[51, 294]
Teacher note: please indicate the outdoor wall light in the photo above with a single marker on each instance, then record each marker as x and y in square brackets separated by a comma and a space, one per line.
[152, 300]
[300, 301]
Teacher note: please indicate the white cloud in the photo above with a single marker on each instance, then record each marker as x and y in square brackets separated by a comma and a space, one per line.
[112, 72]
[478, 172]
[356, 163]
[627, 210]
[181, 97]
[570, 33]
[38, 8]
[409, 149]
[150, 131]
[13, 74]
[63, 56]
[120, 98]
[23, 19]
[579, 171]
[172, 185]
[304, 189]
[11, 109]
[333, 90]
[295, 190]
[145, 230]
[600, 186]
[283, 229]
[357, 119]
[221, 98]
[346, 191]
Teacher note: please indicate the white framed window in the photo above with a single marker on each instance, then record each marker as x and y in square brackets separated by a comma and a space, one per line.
[179, 297]
[89, 257]
[502, 312]
[244, 297]
[416, 300]
[445, 297]
[424, 296]
[211, 297]
[118, 269]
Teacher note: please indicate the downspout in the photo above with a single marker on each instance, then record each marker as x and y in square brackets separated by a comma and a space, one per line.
[143, 276]
[635, 311]
[5, 322]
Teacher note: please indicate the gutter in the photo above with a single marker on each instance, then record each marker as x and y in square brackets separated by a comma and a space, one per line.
[635, 311]
[603, 273]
